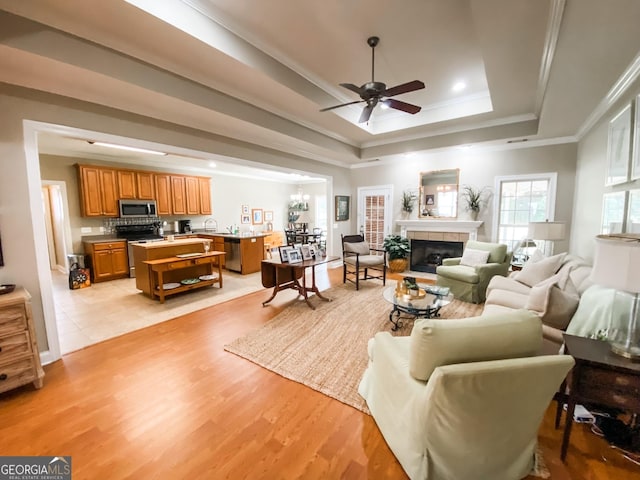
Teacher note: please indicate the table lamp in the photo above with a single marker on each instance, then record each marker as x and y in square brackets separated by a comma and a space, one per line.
[547, 231]
[617, 265]
[524, 250]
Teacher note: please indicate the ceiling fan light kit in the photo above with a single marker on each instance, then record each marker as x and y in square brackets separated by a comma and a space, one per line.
[374, 92]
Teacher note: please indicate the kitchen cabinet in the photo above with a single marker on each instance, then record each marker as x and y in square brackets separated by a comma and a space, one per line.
[204, 189]
[127, 184]
[145, 184]
[192, 195]
[98, 191]
[163, 193]
[107, 260]
[19, 355]
[251, 254]
[102, 187]
[178, 201]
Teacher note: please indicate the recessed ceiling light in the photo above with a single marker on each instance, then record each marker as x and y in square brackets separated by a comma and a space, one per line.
[212, 164]
[459, 86]
[125, 147]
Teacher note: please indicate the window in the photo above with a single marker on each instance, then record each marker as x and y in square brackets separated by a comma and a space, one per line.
[520, 200]
[321, 212]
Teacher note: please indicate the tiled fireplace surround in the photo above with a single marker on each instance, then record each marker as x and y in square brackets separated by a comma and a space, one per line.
[425, 235]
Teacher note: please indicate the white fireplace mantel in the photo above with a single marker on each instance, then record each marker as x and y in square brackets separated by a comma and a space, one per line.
[440, 225]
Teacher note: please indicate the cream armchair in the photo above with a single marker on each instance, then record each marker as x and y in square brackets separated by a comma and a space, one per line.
[469, 275]
[463, 399]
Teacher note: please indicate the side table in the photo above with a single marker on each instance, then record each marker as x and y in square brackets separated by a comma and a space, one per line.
[598, 377]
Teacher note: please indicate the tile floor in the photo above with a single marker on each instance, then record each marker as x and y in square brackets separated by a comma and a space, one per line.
[109, 309]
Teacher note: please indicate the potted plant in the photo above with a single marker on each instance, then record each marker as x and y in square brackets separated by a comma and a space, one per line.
[398, 249]
[408, 200]
[474, 198]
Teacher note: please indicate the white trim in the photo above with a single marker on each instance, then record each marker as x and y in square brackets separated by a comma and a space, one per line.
[30, 131]
[387, 191]
[435, 225]
[551, 203]
[551, 41]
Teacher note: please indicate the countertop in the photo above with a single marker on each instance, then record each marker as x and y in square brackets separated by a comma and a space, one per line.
[231, 235]
[101, 239]
[167, 243]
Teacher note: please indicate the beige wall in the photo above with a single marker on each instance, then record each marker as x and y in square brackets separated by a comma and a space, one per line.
[21, 213]
[590, 178]
[228, 194]
[479, 168]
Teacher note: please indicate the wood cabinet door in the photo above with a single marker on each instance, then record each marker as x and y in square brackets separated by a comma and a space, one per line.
[90, 191]
[102, 267]
[119, 260]
[163, 193]
[108, 182]
[204, 189]
[127, 184]
[252, 254]
[192, 195]
[145, 185]
[178, 201]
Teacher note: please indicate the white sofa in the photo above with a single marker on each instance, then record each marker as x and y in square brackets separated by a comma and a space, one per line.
[550, 287]
[463, 399]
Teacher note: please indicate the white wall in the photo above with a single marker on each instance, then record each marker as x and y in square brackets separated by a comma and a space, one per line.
[479, 168]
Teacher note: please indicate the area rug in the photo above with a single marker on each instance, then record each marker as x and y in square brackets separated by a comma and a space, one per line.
[326, 348]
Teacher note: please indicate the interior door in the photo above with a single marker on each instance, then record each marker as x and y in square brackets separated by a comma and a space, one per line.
[374, 213]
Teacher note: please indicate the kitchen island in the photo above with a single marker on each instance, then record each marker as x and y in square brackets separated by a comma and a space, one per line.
[178, 260]
[244, 251]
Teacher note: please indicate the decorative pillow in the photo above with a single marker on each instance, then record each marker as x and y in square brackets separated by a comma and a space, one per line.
[534, 273]
[488, 337]
[471, 257]
[555, 300]
[361, 248]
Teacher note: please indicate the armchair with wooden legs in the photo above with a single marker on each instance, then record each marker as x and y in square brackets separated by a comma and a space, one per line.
[359, 261]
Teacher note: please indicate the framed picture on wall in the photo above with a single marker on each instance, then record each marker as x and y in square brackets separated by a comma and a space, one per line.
[635, 163]
[245, 209]
[342, 208]
[245, 219]
[619, 148]
[256, 213]
[268, 215]
[613, 212]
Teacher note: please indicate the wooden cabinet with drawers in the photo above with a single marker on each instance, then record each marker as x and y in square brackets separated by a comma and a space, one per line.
[19, 356]
[107, 260]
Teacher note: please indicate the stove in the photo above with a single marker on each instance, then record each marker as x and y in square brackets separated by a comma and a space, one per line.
[136, 234]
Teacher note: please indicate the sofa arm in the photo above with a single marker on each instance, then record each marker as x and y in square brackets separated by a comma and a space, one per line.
[451, 261]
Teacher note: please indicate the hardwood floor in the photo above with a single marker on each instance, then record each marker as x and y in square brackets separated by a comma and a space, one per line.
[168, 402]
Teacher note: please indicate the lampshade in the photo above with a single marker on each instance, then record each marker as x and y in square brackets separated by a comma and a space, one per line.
[617, 265]
[617, 262]
[547, 230]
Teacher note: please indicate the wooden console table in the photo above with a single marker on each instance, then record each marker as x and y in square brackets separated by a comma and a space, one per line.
[283, 276]
[598, 377]
[175, 269]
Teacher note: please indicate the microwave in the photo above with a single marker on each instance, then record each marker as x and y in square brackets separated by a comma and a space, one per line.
[138, 208]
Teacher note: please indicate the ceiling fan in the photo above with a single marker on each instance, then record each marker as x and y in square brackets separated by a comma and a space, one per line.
[377, 92]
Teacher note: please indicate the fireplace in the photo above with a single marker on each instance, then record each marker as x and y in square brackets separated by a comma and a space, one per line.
[426, 255]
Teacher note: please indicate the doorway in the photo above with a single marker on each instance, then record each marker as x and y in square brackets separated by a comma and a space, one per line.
[374, 213]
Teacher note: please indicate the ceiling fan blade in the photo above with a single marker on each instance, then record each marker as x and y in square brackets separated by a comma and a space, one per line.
[404, 88]
[398, 105]
[341, 105]
[352, 87]
[366, 113]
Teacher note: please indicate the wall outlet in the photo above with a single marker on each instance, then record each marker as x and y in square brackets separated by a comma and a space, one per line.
[85, 230]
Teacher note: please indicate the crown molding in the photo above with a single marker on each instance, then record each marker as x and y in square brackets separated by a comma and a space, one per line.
[549, 50]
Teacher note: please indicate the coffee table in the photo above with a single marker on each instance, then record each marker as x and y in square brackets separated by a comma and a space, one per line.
[427, 306]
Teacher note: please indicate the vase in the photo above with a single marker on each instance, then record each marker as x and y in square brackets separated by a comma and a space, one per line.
[398, 265]
[473, 215]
